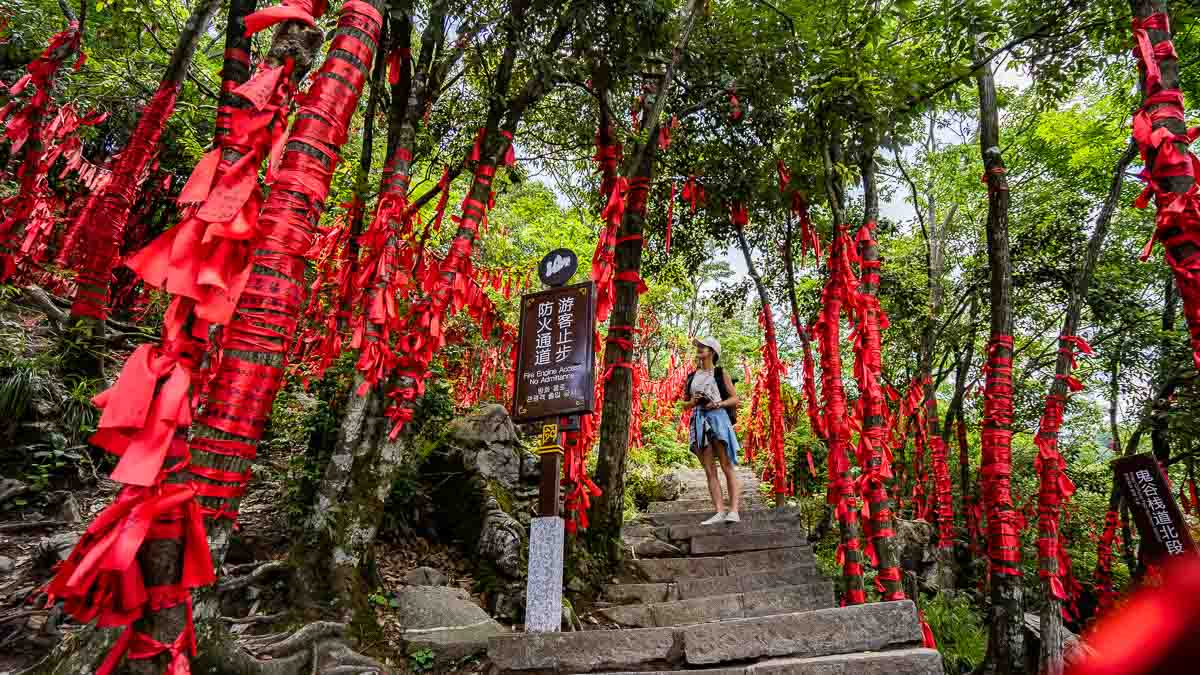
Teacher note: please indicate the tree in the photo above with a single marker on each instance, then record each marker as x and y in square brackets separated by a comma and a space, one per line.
[1006, 645]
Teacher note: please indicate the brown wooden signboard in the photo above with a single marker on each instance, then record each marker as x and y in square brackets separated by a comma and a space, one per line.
[1157, 515]
[556, 359]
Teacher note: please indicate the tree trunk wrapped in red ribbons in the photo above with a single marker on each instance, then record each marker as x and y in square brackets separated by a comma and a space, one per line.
[250, 372]
[206, 258]
[1170, 169]
[28, 216]
[773, 369]
[842, 493]
[874, 454]
[103, 225]
[1006, 643]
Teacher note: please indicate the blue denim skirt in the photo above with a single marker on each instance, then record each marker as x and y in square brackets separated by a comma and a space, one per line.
[715, 426]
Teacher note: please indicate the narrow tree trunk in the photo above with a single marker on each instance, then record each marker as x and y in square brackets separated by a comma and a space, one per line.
[104, 225]
[1006, 639]
[871, 390]
[1052, 463]
[608, 508]
[774, 396]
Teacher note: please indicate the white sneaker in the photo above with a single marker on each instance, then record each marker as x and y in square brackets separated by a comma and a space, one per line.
[718, 518]
[733, 517]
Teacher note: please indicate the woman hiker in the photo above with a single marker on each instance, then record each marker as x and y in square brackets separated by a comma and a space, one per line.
[710, 394]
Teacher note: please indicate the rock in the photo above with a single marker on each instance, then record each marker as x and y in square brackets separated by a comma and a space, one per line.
[500, 540]
[6, 564]
[531, 468]
[509, 603]
[444, 620]
[914, 538]
[488, 426]
[425, 576]
[68, 509]
[56, 548]
[585, 651]
[11, 487]
[669, 486]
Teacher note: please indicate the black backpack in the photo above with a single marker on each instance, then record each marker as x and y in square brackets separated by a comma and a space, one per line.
[719, 376]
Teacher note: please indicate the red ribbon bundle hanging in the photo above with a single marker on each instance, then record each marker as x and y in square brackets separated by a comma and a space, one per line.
[995, 472]
[207, 256]
[775, 372]
[1055, 487]
[32, 208]
[1106, 594]
[1166, 159]
[756, 428]
[103, 226]
[449, 287]
[693, 192]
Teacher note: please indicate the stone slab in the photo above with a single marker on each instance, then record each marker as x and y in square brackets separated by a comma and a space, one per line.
[798, 574]
[757, 541]
[785, 523]
[678, 505]
[686, 589]
[785, 600]
[696, 517]
[873, 627]
[893, 662]
[771, 559]
[671, 569]
[585, 651]
[543, 588]
[642, 594]
[629, 616]
[697, 610]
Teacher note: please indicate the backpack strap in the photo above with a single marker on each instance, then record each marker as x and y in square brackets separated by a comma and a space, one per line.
[687, 387]
[719, 376]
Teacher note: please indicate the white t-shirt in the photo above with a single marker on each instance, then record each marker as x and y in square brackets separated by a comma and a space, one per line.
[704, 383]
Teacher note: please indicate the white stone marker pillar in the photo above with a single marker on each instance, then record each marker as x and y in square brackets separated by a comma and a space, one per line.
[544, 587]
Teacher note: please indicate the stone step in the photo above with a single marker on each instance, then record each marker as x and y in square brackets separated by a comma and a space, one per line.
[701, 504]
[684, 532]
[824, 632]
[754, 514]
[721, 607]
[918, 661]
[754, 541]
[677, 569]
[844, 630]
[804, 573]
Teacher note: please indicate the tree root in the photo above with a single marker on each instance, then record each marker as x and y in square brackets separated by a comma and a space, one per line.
[260, 571]
[316, 649]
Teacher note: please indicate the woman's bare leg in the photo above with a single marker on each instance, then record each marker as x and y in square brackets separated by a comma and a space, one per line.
[714, 481]
[735, 490]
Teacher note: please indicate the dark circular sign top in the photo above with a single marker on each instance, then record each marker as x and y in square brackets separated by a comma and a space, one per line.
[557, 268]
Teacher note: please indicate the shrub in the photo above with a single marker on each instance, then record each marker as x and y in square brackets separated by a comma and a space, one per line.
[958, 628]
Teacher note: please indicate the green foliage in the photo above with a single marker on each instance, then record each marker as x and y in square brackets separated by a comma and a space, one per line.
[421, 660]
[958, 628]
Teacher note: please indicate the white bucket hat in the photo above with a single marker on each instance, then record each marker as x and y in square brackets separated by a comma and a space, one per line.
[711, 343]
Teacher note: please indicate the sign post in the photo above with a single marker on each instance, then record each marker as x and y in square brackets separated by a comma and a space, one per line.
[1158, 518]
[554, 384]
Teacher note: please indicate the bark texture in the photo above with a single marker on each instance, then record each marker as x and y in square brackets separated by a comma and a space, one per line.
[607, 512]
[1006, 635]
[871, 388]
[1051, 657]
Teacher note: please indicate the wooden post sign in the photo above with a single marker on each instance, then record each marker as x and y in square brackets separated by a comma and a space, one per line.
[556, 361]
[1157, 515]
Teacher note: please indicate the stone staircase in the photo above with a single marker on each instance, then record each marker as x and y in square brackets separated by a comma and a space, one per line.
[731, 599]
